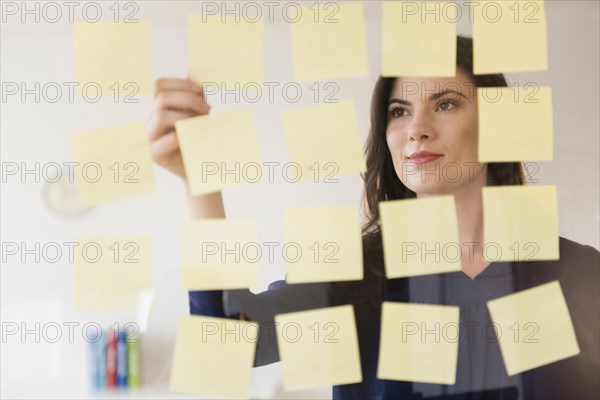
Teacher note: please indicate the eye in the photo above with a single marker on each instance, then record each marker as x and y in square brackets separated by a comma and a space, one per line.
[446, 105]
[397, 112]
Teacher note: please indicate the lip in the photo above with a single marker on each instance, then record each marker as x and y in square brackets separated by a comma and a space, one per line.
[422, 157]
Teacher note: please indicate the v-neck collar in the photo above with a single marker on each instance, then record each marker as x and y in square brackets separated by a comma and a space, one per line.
[495, 269]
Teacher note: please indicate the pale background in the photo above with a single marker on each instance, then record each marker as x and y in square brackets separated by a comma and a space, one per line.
[38, 132]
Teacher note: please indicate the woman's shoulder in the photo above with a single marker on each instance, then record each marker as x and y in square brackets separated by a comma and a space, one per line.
[577, 253]
[578, 272]
[577, 264]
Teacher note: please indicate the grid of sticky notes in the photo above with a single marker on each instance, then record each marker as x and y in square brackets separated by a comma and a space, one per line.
[213, 357]
[541, 328]
[406, 354]
[416, 46]
[113, 56]
[112, 163]
[318, 347]
[520, 223]
[217, 149]
[111, 271]
[329, 41]
[420, 236]
[515, 124]
[324, 137]
[219, 254]
[326, 244]
[237, 55]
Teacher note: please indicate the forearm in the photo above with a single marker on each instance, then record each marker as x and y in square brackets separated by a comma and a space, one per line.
[206, 206]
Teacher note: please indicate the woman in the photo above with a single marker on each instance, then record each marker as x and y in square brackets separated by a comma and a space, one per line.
[426, 123]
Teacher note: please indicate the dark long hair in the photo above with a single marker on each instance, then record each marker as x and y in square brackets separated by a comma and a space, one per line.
[381, 181]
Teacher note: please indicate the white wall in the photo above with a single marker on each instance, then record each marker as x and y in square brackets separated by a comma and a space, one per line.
[38, 132]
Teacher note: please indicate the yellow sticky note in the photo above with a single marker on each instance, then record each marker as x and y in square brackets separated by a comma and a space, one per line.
[324, 141]
[418, 39]
[213, 357]
[111, 271]
[116, 57]
[420, 236]
[113, 163]
[509, 36]
[328, 41]
[419, 343]
[535, 326]
[219, 254]
[226, 49]
[520, 223]
[515, 124]
[219, 151]
[324, 244]
[318, 348]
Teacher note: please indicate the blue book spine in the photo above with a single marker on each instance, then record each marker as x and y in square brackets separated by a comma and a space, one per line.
[93, 365]
[122, 360]
[101, 362]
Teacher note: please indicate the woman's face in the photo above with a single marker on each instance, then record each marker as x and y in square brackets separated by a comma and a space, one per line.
[436, 117]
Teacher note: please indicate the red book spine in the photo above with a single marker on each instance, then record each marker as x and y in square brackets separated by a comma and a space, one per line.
[111, 360]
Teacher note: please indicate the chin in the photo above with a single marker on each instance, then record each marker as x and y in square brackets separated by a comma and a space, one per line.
[428, 188]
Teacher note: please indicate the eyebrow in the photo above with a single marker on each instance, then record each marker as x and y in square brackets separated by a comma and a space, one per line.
[433, 97]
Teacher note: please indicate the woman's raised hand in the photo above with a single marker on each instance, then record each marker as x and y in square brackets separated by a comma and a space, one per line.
[174, 99]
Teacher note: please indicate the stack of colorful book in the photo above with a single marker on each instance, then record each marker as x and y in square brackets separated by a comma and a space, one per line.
[115, 361]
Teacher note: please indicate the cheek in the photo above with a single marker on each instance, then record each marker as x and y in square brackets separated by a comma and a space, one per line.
[466, 139]
[473, 127]
[472, 139]
[394, 140]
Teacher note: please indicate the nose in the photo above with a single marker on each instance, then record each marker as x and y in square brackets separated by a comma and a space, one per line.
[419, 129]
[417, 135]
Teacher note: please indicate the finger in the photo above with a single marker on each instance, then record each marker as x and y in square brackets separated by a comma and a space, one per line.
[189, 78]
[163, 121]
[180, 101]
[164, 146]
[176, 84]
